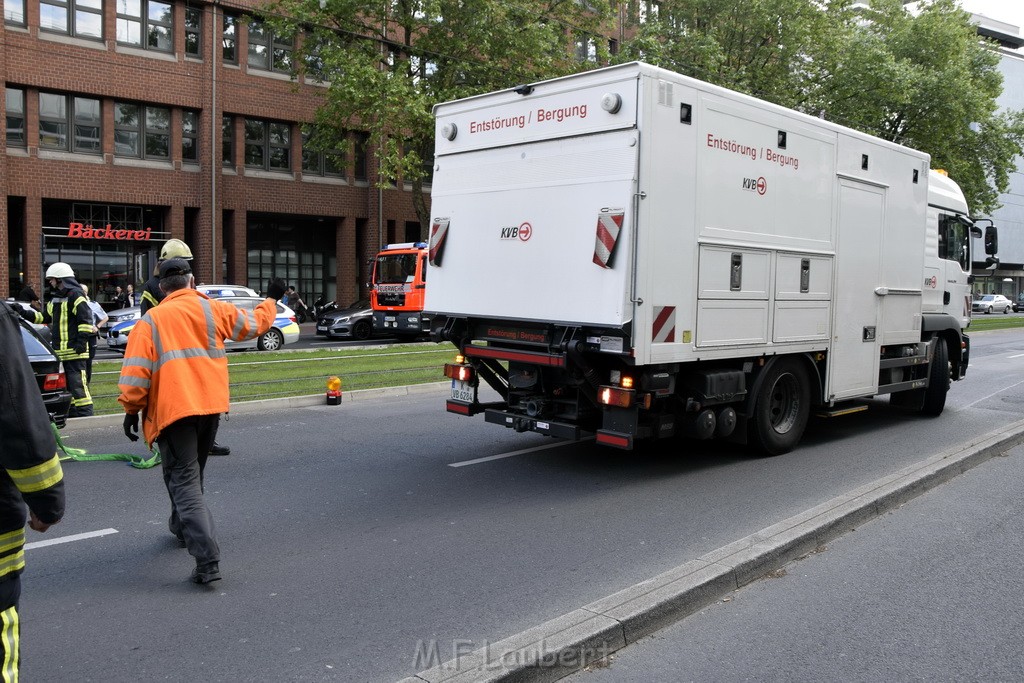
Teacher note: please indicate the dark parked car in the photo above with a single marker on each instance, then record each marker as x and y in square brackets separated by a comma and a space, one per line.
[1018, 303]
[49, 374]
[354, 321]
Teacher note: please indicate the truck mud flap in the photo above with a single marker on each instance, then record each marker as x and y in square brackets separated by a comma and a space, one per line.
[523, 423]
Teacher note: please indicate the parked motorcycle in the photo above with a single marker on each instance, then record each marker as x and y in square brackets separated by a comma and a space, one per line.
[320, 306]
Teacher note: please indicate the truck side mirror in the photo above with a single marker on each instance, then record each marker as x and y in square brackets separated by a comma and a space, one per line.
[991, 240]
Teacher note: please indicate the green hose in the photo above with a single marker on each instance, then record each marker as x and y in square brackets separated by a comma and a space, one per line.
[81, 455]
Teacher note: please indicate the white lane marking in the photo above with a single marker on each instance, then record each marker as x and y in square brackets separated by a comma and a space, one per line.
[69, 539]
[985, 398]
[501, 456]
[1019, 355]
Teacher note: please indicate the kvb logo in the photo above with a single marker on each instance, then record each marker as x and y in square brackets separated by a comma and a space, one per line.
[520, 232]
[758, 185]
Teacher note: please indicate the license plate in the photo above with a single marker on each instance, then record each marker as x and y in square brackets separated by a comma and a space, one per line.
[321, 328]
[462, 391]
[389, 318]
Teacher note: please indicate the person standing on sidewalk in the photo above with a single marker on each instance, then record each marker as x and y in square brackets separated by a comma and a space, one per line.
[99, 317]
[175, 372]
[71, 322]
[31, 475]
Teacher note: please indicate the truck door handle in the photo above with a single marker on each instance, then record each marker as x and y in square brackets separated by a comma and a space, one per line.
[805, 275]
[736, 273]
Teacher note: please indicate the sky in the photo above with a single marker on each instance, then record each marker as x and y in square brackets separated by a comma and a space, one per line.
[1009, 11]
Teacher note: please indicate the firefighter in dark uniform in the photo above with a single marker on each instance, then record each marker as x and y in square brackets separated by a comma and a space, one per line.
[71, 322]
[153, 295]
[30, 473]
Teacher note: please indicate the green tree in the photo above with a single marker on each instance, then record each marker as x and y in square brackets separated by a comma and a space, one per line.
[925, 81]
[386, 64]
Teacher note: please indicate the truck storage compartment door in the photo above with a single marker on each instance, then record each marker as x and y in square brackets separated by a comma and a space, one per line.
[538, 231]
[853, 360]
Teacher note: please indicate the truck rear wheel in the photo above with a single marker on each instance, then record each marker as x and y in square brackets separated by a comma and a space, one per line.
[781, 408]
[938, 380]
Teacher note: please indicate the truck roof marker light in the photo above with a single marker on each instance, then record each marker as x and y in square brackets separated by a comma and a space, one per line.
[611, 102]
[942, 171]
[449, 131]
[616, 396]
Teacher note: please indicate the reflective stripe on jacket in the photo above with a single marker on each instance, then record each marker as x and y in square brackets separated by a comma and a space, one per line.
[175, 365]
[70, 319]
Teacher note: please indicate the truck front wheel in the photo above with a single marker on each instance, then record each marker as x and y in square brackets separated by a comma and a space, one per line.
[938, 380]
[781, 408]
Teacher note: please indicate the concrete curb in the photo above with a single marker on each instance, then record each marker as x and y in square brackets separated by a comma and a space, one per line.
[570, 642]
[78, 424]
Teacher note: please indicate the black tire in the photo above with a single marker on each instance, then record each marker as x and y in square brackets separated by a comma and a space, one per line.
[362, 330]
[1007, 311]
[989, 311]
[271, 340]
[781, 408]
[938, 381]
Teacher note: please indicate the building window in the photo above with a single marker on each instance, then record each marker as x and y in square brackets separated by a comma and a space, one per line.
[145, 23]
[229, 40]
[193, 31]
[268, 50]
[647, 10]
[190, 136]
[330, 163]
[14, 12]
[15, 131]
[362, 140]
[80, 18]
[313, 47]
[267, 145]
[585, 48]
[70, 123]
[142, 131]
[227, 141]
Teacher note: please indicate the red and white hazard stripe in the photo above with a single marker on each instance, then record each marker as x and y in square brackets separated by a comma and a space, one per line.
[664, 327]
[609, 225]
[438, 233]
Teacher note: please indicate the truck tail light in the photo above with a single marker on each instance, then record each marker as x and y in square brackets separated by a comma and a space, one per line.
[616, 396]
[55, 381]
[463, 373]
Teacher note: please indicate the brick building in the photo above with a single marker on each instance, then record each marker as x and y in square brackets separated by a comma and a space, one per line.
[175, 118]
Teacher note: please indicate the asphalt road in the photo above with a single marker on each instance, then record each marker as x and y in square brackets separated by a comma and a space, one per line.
[353, 549]
[928, 592]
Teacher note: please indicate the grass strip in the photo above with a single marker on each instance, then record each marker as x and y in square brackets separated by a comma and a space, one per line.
[1005, 322]
[264, 374]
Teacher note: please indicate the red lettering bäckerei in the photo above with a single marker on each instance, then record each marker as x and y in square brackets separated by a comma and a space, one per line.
[87, 232]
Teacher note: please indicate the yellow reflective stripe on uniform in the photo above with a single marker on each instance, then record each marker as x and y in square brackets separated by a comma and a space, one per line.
[11, 540]
[12, 563]
[146, 296]
[37, 478]
[85, 329]
[10, 635]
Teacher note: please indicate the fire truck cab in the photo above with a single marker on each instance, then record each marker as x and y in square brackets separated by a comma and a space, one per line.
[398, 289]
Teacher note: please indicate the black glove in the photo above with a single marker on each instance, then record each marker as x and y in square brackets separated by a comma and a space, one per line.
[275, 289]
[131, 424]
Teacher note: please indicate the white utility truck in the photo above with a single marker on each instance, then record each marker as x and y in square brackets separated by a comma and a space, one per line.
[630, 253]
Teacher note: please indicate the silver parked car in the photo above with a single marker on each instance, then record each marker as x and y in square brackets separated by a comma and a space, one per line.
[991, 303]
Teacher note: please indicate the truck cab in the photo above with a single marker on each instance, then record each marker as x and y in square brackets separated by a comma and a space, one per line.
[398, 289]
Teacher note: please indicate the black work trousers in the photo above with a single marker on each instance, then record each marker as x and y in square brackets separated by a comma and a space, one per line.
[78, 385]
[184, 446]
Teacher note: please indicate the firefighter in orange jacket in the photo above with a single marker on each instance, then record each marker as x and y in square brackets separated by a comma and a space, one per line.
[30, 473]
[175, 372]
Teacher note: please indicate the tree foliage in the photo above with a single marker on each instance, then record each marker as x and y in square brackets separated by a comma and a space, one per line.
[923, 80]
[386, 63]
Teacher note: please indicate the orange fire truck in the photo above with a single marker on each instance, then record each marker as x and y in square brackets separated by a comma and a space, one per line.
[398, 289]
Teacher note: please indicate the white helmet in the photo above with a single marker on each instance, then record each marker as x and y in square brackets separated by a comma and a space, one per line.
[175, 249]
[60, 271]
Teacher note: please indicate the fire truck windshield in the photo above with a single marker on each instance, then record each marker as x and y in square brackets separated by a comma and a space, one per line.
[396, 268]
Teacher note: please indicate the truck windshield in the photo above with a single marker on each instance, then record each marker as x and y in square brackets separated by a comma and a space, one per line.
[954, 241]
[395, 268]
